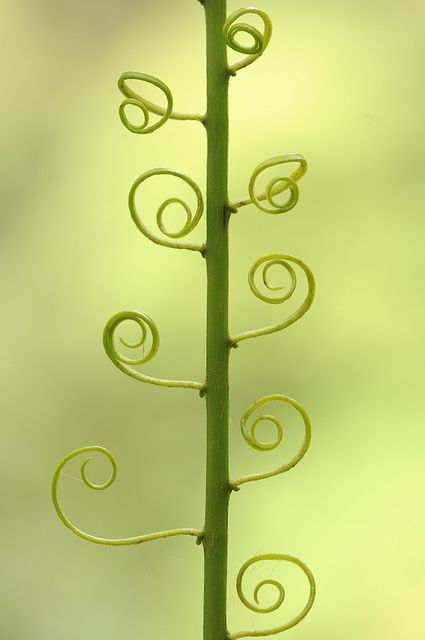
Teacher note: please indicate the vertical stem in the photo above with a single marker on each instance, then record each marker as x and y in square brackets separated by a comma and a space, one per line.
[217, 397]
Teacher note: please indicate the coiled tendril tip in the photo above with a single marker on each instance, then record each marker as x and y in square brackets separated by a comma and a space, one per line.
[232, 28]
[191, 219]
[257, 608]
[275, 186]
[147, 107]
[126, 364]
[265, 263]
[249, 434]
[115, 542]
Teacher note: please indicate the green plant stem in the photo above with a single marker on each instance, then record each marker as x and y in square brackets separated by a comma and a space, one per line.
[217, 259]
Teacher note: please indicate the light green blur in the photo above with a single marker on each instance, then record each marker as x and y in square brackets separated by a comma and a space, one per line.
[339, 83]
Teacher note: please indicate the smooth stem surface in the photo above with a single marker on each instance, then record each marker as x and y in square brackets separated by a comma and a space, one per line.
[217, 259]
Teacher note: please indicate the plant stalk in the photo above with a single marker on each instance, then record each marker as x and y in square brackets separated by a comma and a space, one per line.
[215, 538]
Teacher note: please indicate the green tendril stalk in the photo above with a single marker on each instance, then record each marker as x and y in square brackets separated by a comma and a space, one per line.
[222, 32]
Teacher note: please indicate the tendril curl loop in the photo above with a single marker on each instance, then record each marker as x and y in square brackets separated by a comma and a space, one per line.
[232, 29]
[132, 98]
[276, 186]
[250, 436]
[265, 263]
[115, 542]
[257, 608]
[126, 364]
[191, 219]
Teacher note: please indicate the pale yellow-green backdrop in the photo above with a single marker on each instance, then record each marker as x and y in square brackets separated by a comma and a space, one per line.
[341, 83]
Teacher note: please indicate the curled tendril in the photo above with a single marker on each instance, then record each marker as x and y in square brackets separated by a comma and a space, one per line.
[232, 29]
[191, 220]
[250, 436]
[115, 542]
[126, 364]
[284, 260]
[257, 608]
[276, 186]
[146, 106]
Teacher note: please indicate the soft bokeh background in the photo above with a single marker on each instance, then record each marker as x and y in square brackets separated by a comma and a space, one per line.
[341, 83]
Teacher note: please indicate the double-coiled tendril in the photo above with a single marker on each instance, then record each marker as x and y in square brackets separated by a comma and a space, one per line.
[275, 186]
[257, 608]
[284, 260]
[132, 98]
[250, 436]
[232, 29]
[126, 364]
[114, 542]
[191, 219]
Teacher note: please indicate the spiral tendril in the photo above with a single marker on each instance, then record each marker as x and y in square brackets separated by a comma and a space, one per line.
[276, 186]
[257, 608]
[115, 542]
[126, 364]
[191, 220]
[284, 260]
[132, 98]
[250, 436]
[232, 29]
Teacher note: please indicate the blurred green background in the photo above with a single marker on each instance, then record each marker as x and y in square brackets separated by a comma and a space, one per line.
[340, 83]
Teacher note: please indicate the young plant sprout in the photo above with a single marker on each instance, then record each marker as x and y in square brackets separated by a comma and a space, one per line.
[222, 32]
